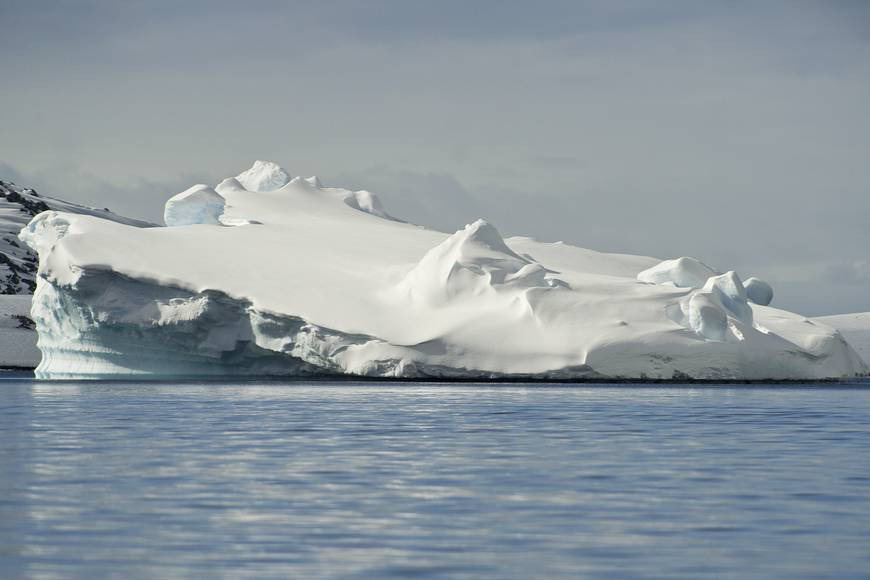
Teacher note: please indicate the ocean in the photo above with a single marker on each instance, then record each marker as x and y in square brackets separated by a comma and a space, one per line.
[346, 479]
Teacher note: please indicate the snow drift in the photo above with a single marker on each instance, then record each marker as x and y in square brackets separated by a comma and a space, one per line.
[268, 274]
[682, 272]
[472, 262]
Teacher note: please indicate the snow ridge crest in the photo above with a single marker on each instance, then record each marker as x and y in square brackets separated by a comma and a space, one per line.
[264, 176]
[473, 261]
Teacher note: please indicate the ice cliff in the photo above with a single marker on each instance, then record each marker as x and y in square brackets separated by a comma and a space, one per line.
[269, 274]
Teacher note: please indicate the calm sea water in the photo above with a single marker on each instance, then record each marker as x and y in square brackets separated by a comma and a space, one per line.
[393, 480]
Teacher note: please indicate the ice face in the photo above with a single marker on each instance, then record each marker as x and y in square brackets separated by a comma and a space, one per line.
[198, 205]
[263, 176]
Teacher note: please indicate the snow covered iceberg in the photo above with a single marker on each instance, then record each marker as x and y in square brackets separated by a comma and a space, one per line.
[268, 274]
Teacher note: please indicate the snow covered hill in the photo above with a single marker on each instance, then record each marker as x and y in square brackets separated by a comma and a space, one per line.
[268, 274]
[18, 263]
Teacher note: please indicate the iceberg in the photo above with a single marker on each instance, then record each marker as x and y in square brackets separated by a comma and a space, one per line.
[282, 276]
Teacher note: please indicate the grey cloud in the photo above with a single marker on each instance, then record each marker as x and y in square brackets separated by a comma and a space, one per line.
[556, 161]
[855, 273]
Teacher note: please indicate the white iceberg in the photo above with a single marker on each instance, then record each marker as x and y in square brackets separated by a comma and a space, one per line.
[316, 280]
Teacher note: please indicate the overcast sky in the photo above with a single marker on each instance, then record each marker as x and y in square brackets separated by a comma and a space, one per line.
[737, 132]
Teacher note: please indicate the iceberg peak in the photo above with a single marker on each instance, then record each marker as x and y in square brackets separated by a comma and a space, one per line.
[473, 261]
[484, 233]
[263, 176]
[478, 242]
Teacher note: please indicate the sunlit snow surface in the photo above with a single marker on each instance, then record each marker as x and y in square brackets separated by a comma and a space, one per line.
[287, 277]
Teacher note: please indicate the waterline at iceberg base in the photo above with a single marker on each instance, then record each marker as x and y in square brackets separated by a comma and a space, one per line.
[268, 275]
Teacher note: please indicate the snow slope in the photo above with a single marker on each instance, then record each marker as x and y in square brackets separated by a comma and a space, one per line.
[855, 328]
[298, 278]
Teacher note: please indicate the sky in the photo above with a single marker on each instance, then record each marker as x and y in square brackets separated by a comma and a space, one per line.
[736, 132]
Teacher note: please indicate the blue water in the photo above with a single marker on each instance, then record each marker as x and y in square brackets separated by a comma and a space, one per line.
[394, 480]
